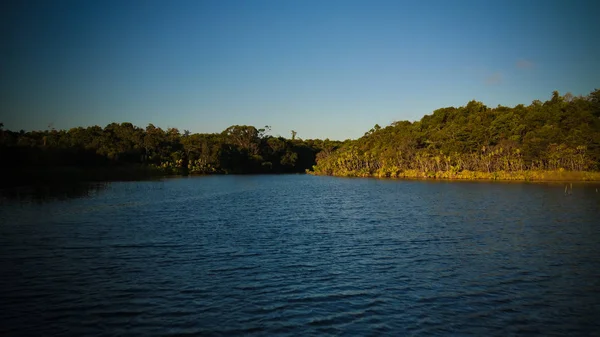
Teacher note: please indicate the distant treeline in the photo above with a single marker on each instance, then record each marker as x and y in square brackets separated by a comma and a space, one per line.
[239, 149]
[561, 134]
[474, 141]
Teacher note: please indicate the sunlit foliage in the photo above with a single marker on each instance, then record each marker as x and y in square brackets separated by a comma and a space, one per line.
[478, 142]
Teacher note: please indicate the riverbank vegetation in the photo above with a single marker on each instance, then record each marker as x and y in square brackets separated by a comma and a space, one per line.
[554, 140]
[125, 151]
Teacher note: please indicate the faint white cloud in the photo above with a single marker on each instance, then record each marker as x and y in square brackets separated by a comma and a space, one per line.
[495, 78]
[524, 64]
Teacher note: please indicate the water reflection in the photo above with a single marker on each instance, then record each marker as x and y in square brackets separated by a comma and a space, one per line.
[300, 255]
[51, 192]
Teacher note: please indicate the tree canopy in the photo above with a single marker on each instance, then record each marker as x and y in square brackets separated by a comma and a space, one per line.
[238, 149]
[562, 133]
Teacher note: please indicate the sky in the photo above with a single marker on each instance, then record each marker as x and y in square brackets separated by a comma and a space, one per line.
[326, 69]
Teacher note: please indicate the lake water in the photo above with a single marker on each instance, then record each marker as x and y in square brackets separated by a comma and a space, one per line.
[300, 255]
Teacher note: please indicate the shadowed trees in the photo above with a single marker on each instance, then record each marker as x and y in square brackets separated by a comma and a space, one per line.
[238, 149]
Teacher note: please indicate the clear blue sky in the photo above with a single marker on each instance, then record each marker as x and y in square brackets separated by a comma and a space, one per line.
[327, 69]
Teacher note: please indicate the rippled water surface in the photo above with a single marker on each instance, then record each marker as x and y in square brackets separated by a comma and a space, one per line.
[300, 255]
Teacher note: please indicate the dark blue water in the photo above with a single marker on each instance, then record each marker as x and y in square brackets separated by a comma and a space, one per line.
[300, 255]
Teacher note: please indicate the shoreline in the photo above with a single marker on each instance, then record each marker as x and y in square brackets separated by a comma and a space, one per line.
[61, 175]
[37, 176]
[516, 176]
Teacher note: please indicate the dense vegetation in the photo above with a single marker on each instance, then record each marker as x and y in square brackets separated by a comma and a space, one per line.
[475, 141]
[126, 148]
[561, 135]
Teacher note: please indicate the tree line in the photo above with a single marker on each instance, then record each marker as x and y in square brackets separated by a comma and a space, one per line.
[239, 149]
[562, 134]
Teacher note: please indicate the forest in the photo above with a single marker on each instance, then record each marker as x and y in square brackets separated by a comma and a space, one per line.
[555, 139]
[127, 151]
[558, 138]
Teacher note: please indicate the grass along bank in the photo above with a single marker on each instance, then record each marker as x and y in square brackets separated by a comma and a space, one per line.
[538, 175]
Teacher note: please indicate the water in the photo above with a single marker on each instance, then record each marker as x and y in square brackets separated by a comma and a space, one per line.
[300, 255]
